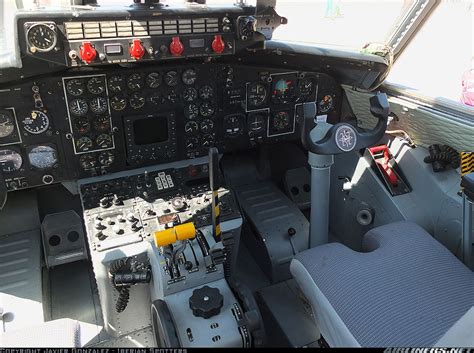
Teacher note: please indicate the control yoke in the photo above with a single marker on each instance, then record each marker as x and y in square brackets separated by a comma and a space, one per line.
[323, 141]
[343, 137]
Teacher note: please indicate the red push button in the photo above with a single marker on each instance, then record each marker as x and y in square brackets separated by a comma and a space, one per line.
[218, 44]
[136, 49]
[87, 52]
[176, 47]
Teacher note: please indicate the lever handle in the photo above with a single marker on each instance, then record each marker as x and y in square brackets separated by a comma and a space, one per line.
[214, 185]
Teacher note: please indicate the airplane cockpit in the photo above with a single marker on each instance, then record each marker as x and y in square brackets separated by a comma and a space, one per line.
[175, 175]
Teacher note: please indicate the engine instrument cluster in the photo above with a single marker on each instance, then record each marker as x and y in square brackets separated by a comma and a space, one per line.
[78, 125]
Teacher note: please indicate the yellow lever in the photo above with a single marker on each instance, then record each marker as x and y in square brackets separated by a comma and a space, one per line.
[170, 235]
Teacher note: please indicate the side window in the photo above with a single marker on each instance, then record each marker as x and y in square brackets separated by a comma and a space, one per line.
[439, 61]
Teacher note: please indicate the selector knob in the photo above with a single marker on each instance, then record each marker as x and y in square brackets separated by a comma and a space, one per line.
[136, 49]
[218, 44]
[206, 302]
[116, 200]
[98, 224]
[117, 229]
[178, 203]
[176, 47]
[87, 52]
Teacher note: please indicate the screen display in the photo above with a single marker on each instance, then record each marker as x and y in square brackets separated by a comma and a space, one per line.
[150, 130]
[196, 43]
[113, 49]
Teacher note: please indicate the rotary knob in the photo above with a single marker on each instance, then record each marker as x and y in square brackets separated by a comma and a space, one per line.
[206, 302]
[218, 44]
[178, 203]
[87, 52]
[136, 49]
[176, 47]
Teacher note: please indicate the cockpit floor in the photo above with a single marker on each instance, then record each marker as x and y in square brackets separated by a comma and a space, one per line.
[20, 280]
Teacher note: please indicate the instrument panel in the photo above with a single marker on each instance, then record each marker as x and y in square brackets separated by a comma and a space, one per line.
[84, 124]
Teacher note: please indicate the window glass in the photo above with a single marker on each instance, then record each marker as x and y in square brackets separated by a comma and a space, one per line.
[347, 23]
[440, 57]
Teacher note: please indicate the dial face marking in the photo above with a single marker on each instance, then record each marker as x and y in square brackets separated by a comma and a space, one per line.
[7, 124]
[43, 157]
[98, 105]
[78, 107]
[96, 85]
[10, 160]
[171, 78]
[41, 37]
[36, 122]
[153, 80]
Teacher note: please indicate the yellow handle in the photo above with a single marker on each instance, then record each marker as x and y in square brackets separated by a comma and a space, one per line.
[170, 235]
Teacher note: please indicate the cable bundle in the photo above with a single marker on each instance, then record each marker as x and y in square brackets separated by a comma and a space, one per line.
[124, 291]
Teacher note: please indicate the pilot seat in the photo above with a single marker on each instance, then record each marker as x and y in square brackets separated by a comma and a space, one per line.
[404, 290]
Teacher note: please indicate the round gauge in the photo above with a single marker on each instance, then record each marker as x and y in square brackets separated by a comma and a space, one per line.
[191, 111]
[325, 104]
[43, 157]
[191, 127]
[207, 141]
[206, 126]
[98, 105]
[78, 107]
[256, 123]
[106, 158]
[82, 125]
[206, 109]
[281, 120]
[206, 92]
[137, 101]
[172, 97]
[154, 98]
[190, 94]
[153, 80]
[104, 141]
[135, 82]
[116, 84]
[75, 87]
[96, 85]
[102, 123]
[192, 143]
[42, 37]
[10, 160]
[7, 124]
[189, 77]
[36, 123]
[256, 94]
[84, 144]
[233, 125]
[283, 90]
[171, 78]
[118, 103]
[306, 87]
[87, 161]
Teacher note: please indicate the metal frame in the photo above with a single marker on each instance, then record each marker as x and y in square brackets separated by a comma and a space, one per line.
[410, 25]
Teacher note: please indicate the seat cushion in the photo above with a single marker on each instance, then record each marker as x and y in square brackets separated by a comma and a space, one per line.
[406, 290]
[56, 333]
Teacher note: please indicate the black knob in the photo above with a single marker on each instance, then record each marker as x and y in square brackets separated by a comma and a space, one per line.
[178, 203]
[104, 202]
[188, 265]
[116, 200]
[206, 302]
